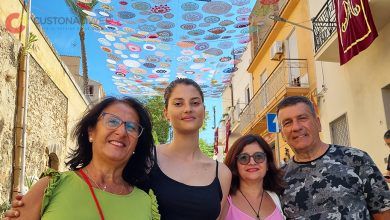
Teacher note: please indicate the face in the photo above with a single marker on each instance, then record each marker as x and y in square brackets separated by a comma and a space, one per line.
[185, 110]
[115, 144]
[252, 171]
[300, 128]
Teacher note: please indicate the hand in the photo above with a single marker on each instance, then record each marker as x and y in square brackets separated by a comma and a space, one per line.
[13, 212]
[387, 178]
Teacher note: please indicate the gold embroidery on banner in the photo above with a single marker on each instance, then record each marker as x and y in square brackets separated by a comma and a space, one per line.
[363, 37]
[350, 10]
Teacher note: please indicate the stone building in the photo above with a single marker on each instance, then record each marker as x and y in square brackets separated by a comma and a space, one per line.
[55, 102]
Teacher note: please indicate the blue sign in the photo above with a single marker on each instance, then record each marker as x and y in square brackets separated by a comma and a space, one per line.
[272, 123]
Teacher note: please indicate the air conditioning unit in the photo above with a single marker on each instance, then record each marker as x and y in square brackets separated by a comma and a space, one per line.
[277, 50]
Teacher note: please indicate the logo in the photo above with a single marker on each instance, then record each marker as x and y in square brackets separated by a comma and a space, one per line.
[9, 23]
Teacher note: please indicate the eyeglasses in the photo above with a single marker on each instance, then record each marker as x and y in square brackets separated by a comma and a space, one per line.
[113, 122]
[258, 157]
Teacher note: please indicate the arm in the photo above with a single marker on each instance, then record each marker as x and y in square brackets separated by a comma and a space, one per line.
[382, 215]
[225, 178]
[33, 201]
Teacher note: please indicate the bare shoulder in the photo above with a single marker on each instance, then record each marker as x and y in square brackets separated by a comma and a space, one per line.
[224, 171]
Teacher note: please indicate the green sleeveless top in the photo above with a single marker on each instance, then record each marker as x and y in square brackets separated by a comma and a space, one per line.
[68, 197]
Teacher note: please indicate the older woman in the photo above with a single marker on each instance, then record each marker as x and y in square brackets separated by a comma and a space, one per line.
[255, 181]
[113, 156]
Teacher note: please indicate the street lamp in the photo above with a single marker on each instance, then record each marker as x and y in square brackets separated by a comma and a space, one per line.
[278, 18]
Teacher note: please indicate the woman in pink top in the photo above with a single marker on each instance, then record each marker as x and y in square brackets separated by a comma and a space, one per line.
[255, 181]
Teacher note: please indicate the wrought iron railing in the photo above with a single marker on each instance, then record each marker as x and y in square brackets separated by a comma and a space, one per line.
[288, 73]
[324, 24]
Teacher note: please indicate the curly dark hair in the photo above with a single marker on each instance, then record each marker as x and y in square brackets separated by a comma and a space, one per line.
[138, 166]
[273, 179]
[174, 83]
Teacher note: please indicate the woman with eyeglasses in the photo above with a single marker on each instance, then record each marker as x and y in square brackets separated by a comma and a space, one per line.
[112, 157]
[256, 182]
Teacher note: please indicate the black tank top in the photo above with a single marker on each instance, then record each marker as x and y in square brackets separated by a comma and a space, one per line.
[178, 201]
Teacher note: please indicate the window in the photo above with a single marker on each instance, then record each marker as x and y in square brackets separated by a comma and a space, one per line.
[339, 131]
[386, 103]
[247, 95]
[90, 90]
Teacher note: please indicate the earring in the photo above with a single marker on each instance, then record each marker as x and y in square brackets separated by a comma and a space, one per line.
[133, 152]
[90, 140]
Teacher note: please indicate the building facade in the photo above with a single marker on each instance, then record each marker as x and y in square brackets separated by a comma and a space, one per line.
[55, 102]
[353, 99]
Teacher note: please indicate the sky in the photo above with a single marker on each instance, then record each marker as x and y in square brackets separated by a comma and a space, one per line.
[61, 28]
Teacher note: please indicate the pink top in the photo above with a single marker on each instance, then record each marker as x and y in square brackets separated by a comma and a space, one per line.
[235, 213]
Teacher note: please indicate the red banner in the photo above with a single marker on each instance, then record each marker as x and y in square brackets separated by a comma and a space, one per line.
[355, 27]
[227, 135]
[216, 141]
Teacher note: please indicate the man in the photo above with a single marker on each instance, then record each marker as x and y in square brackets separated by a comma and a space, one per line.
[327, 181]
[386, 137]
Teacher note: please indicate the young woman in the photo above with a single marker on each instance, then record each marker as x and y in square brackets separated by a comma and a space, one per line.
[113, 155]
[256, 182]
[188, 185]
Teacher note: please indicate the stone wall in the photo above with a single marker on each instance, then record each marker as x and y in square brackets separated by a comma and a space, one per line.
[8, 71]
[46, 118]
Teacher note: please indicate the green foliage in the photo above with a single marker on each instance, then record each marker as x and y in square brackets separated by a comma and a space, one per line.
[29, 181]
[30, 44]
[4, 207]
[155, 137]
[206, 148]
[155, 105]
[206, 119]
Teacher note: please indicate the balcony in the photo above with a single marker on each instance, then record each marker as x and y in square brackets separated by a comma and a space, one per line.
[324, 28]
[290, 77]
[324, 24]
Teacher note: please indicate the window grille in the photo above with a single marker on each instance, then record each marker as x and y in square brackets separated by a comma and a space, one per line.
[339, 131]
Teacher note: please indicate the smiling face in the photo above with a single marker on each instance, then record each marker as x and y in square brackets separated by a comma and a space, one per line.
[115, 145]
[300, 128]
[252, 171]
[185, 109]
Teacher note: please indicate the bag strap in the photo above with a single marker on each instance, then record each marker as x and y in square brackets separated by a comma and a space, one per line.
[86, 179]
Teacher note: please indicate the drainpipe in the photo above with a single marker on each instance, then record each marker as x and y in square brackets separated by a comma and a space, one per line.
[19, 167]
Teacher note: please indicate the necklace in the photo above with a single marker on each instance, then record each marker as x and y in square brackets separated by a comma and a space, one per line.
[261, 201]
[104, 188]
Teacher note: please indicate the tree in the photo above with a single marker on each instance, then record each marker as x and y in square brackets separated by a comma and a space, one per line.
[206, 148]
[77, 8]
[156, 105]
[206, 119]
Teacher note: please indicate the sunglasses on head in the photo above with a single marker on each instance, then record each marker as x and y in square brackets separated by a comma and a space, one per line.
[258, 157]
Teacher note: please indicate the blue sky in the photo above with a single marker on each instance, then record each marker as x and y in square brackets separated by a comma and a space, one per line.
[64, 36]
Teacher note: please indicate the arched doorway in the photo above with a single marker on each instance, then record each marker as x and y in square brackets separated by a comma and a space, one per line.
[53, 161]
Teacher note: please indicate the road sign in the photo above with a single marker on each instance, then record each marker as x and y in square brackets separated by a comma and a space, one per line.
[272, 123]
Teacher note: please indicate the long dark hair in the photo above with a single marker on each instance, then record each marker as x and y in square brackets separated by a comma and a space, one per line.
[273, 178]
[136, 169]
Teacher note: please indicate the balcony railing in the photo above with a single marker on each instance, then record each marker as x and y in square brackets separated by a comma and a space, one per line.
[324, 24]
[290, 73]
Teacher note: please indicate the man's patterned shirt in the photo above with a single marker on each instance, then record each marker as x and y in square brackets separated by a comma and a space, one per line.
[344, 183]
